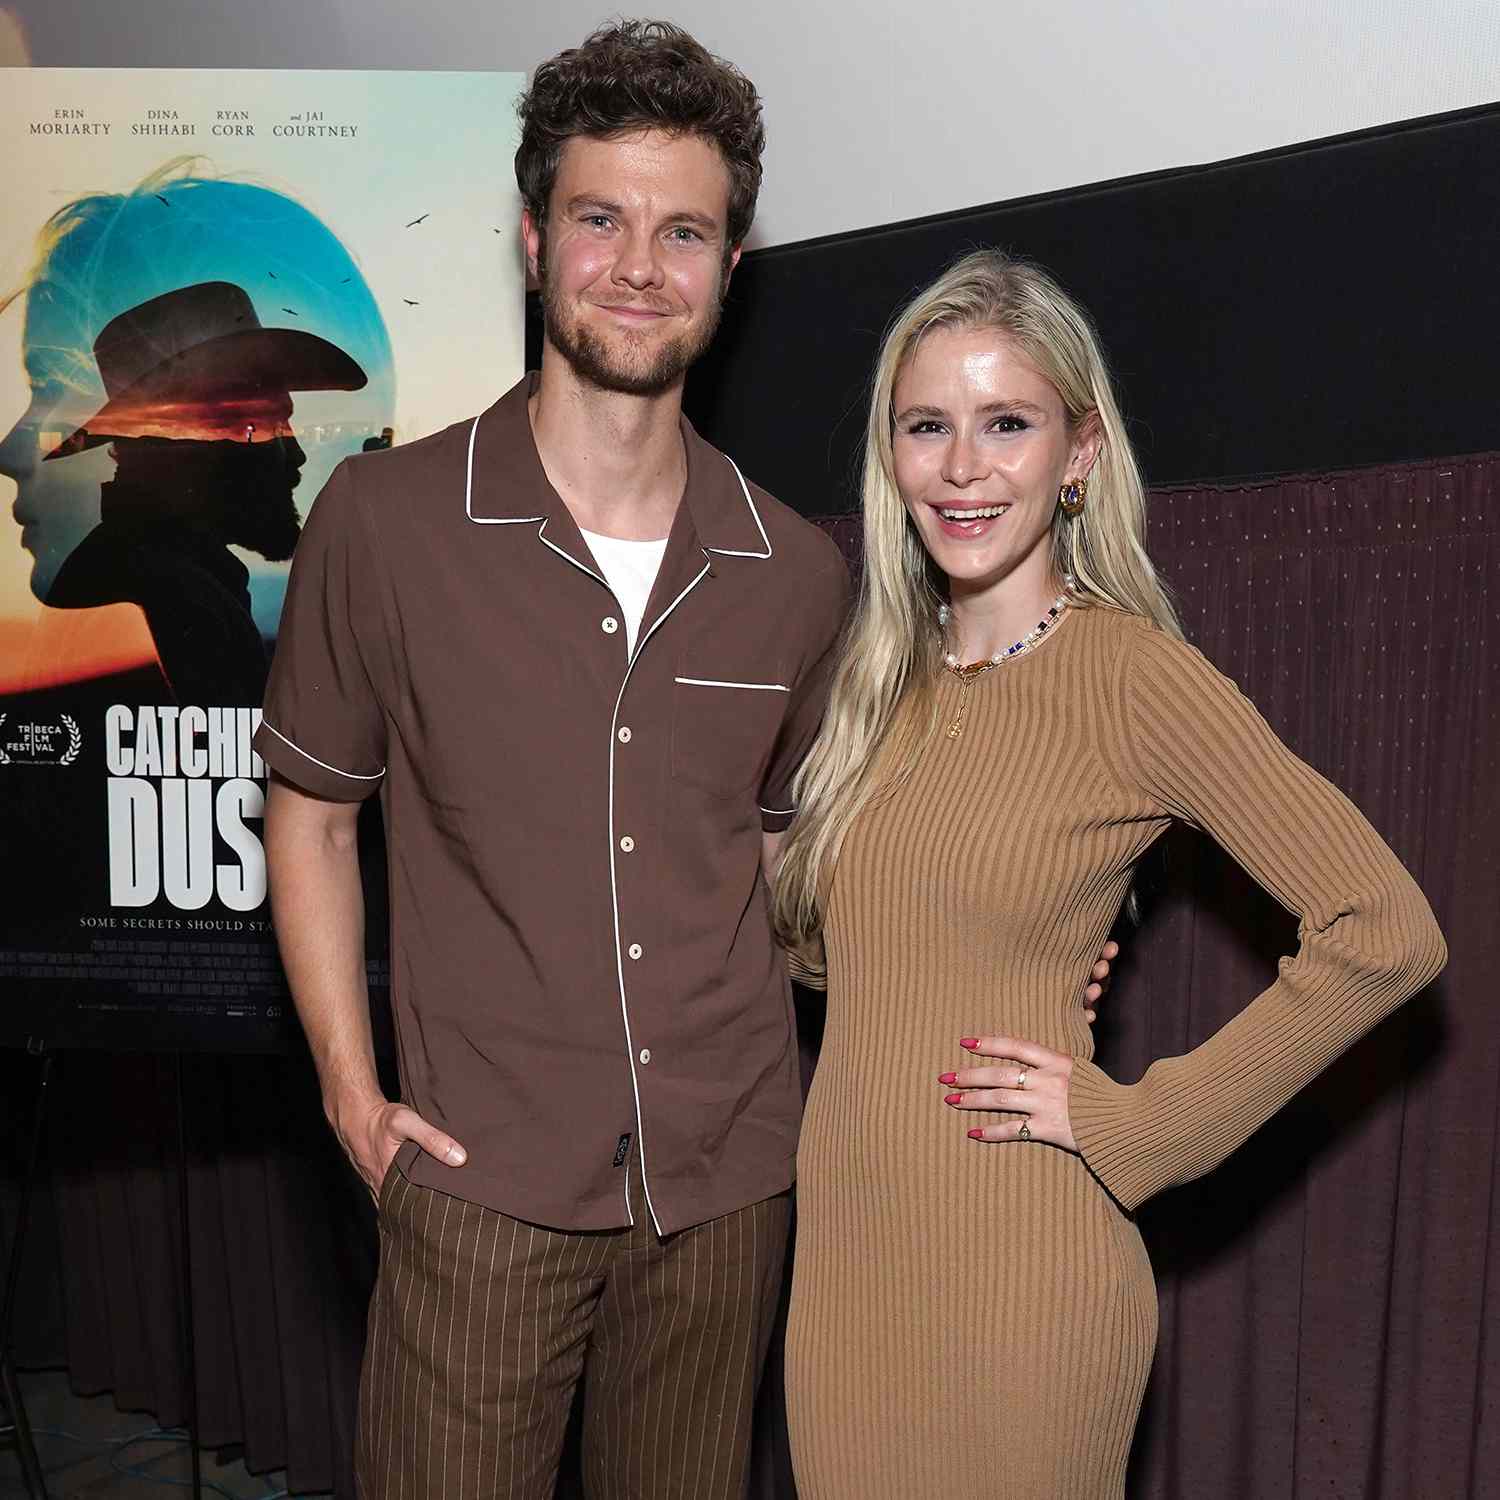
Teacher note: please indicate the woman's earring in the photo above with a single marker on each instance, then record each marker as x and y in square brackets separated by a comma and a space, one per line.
[1072, 495]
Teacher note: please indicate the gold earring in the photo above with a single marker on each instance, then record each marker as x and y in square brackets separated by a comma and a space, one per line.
[1071, 496]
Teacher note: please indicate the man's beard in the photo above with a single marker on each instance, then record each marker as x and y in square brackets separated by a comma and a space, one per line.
[240, 494]
[267, 522]
[595, 361]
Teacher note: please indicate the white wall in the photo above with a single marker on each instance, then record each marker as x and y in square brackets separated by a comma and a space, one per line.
[891, 109]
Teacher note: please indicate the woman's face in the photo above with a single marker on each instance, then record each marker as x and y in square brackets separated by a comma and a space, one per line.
[982, 442]
[57, 502]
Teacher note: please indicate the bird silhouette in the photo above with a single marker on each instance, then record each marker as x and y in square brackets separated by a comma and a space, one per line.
[160, 199]
[292, 310]
[428, 214]
[410, 303]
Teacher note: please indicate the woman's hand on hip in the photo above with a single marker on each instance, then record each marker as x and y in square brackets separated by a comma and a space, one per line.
[1025, 1079]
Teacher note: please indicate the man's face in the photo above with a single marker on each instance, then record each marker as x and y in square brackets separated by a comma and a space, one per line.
[636, 257]
[259, 480]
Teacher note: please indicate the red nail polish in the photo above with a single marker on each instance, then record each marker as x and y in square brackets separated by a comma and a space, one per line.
[953, 1099]
[976, 1135]
[968, 1041]
[947, 1077]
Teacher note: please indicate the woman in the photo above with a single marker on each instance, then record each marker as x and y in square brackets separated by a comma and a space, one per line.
[1015, 721]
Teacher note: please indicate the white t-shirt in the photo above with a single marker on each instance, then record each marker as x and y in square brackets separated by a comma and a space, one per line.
[630, 569]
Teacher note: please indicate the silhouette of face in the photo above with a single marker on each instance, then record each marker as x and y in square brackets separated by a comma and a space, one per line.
[238, 493]
[57, 503]
[261, 512]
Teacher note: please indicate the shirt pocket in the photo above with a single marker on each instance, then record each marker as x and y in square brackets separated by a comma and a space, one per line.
[724, 727]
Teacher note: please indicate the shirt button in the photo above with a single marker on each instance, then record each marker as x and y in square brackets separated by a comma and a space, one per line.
[627, 843]
[635, 950]
[645, 1054]
[609, 625]
[625, 735]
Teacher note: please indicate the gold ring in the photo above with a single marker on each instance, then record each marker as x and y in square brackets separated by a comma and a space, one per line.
[1025, 1131]
[1021, 1080]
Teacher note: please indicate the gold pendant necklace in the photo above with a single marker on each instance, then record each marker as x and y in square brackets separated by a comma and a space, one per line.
[967, 672]
[965, 675]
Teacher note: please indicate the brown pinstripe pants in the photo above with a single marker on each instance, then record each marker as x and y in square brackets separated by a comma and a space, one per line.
[481, 1325]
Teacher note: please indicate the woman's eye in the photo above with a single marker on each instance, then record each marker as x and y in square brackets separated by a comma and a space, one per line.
[924, 426]
[1009, 424]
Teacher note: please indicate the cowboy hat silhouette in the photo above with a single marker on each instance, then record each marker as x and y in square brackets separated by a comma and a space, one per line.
[197, 363]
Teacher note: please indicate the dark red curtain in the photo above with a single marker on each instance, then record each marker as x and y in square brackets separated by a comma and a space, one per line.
[1328, 1323]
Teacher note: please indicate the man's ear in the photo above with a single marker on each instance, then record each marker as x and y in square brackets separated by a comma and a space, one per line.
[734, 260]
[531, 244]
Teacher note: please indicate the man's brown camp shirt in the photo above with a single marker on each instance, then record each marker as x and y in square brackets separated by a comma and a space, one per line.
[582, 971]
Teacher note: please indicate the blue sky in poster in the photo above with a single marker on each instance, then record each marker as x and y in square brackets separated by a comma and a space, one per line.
[175, 233]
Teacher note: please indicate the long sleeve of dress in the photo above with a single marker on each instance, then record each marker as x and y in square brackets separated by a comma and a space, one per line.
[1198, 751]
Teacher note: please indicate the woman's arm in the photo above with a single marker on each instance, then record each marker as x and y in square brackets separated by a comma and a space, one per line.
[1368, 941]
[1195, 748]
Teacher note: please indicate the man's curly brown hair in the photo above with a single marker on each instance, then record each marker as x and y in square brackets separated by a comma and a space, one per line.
[641, 75]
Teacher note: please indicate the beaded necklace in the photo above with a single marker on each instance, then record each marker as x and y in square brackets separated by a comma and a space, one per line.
[967, 672]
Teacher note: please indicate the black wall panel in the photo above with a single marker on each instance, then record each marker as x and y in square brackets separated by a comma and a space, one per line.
[1328, 305]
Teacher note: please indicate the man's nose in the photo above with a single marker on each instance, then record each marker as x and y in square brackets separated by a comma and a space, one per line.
[639, 262]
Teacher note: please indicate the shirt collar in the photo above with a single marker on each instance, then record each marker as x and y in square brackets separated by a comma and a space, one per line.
[505, 483]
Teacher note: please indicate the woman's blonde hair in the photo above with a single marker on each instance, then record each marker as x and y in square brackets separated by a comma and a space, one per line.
[881, 709]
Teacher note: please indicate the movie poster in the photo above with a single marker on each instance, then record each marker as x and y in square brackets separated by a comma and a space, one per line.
[214, 286]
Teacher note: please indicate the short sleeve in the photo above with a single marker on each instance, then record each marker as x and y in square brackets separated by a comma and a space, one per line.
[322, 724]
[829, 597]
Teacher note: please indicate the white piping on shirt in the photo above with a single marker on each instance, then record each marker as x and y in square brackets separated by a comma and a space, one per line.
[521, 520]
[614, 897]
[352, 775]
[613, 727]
[759, 687]
[469, 493]
[729, 551]
[542, 538]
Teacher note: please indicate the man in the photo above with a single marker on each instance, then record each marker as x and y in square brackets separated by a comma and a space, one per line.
[581, 657]
[198, 420]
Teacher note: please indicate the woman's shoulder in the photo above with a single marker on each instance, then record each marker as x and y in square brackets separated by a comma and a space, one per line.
[1120, 634]
[1129, 637]
[1143, 663]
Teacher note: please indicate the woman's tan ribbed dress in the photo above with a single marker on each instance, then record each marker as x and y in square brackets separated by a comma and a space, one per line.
[973, 1321]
